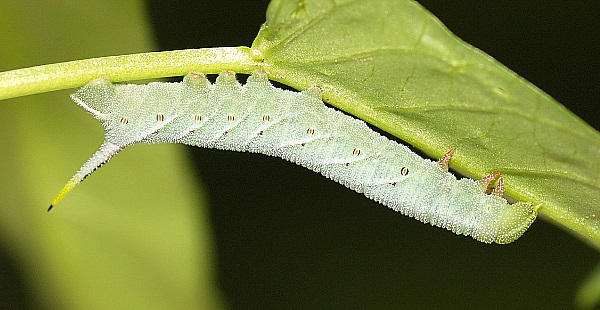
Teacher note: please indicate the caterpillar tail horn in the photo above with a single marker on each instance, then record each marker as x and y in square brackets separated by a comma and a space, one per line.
[104, 154]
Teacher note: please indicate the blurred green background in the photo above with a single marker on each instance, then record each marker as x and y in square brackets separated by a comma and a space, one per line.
[284, 237]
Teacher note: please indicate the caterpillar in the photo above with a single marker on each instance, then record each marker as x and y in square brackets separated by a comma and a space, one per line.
[298, 127]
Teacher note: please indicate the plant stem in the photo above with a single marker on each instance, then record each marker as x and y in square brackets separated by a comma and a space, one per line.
[71, 74]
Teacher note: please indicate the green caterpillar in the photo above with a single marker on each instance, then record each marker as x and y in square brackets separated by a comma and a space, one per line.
[298, 127]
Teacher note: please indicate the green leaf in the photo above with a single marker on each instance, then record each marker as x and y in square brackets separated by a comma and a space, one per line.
[396, 66]
[133, 237]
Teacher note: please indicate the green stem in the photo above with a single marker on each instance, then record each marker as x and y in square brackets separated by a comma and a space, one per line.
[76, 73]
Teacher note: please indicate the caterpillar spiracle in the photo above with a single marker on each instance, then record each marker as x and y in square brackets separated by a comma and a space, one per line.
[298, 127]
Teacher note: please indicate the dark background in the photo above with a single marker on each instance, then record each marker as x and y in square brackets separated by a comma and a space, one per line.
[288, 238]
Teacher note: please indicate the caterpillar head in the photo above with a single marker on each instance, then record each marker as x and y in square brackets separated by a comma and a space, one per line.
[500, 223]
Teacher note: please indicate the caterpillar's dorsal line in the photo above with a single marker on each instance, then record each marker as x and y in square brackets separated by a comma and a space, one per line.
[297, 126]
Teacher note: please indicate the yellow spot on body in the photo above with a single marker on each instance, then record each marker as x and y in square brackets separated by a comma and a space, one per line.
[197, 117]
[124, 121]
[266, 118]
[230, 118]
[310, 131]
[489, 208]
[160, 117]
[356, 152]
[404, 171]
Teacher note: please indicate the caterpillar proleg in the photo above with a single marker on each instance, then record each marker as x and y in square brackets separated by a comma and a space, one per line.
[298, 127]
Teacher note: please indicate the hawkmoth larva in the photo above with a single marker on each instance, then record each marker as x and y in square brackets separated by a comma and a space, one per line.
[297, 126]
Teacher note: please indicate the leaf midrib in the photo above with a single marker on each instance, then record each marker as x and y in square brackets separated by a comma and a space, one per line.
[491, 110]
